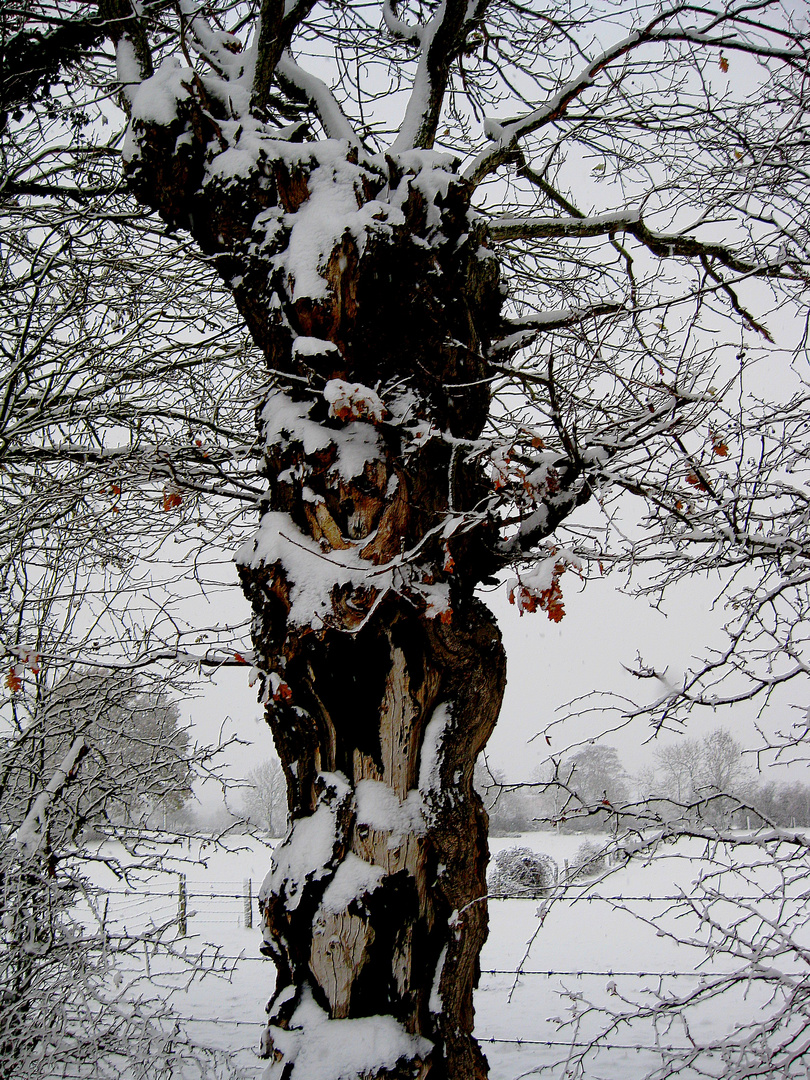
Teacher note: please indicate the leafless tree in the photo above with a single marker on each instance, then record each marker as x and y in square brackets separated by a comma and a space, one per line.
[510, 808]
[694, 770]
[78, 765]
[266, 798]
[515, 275]
[679, 764]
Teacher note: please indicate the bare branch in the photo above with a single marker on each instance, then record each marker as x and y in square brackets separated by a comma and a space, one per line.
[278, 21]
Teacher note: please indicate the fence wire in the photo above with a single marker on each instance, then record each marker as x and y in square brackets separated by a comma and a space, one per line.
[224, 902]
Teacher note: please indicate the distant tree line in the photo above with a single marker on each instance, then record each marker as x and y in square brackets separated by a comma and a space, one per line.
[700, 781]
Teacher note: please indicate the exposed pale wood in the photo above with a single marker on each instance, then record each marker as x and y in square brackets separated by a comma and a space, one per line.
[339, 947]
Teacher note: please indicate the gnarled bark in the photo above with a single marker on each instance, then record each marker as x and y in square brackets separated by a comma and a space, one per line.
[401, 710]
[382, 675]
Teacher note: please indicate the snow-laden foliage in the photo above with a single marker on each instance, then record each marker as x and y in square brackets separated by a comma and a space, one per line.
[589, 860]
[519, 871]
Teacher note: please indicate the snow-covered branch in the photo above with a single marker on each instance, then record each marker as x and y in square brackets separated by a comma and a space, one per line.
[318, 94]
[629, 222]
[32, 834]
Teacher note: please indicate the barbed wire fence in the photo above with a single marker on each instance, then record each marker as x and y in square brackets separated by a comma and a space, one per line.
[200, 911]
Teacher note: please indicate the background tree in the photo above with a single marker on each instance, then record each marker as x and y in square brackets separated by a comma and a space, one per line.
[266, 797]
[138, 759]
[509, 807]
[596, 773]
[678, 768]
[722, 766]
[785, 804]
[595, 783]
[90, 753]
[704, 777]
[392, 290]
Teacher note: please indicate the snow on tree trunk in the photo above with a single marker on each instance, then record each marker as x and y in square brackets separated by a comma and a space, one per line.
[371, 905]
[370, 289]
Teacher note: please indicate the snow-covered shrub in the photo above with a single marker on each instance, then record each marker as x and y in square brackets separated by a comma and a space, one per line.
[520, 871]
[589, 859]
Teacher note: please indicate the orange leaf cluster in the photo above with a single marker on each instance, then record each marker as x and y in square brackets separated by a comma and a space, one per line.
[14, 680]
[695, 481]
[283, 692]
[172, 499]
[549, 600]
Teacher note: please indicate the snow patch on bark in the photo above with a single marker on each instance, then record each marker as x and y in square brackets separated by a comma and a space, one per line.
[155, 100]
[435, 1000]
[307, 852]
[286, 421]
[312, 574]
[430, 757]
[127, 67]
[313, 346]
[380, 808]
[437, 599]
[431, 173]
[324, 1049]
[358, 445]
[354, 879]
[320, 224]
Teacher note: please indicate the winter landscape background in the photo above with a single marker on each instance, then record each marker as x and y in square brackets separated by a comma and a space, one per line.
[566, 979]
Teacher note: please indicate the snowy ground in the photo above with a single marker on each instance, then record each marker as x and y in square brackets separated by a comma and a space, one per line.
[539, 967]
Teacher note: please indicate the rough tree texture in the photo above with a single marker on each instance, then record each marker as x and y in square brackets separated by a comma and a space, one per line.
[383, 675]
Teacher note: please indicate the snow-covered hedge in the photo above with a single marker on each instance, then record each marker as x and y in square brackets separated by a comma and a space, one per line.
[589, 859]
[519, 871]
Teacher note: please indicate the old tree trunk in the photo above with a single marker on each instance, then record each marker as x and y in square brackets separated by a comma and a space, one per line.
[370, 289]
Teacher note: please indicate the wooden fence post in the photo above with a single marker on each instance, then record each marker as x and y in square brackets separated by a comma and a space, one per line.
[248, 895]
[182, 920]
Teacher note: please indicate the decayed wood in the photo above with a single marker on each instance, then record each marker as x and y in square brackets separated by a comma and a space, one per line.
[339, 949]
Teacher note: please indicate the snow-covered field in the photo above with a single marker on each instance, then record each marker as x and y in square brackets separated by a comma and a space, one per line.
[541, 965]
